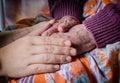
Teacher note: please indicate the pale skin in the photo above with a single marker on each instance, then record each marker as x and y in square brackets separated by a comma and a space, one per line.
[10, 36]
[32, 54]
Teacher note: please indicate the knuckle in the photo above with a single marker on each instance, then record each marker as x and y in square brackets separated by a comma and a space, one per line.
[47, 58]
[62, 59]
[56, 50]
[49, 68]
[47, 33]
[49, 49]
[51, 58]
[37, 68]
[67, 50]
[46, 39]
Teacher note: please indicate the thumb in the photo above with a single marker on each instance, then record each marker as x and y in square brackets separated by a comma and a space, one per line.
[66, 25]
[41, 29]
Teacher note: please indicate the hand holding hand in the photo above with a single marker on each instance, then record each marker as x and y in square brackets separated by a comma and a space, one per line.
[34, 54]
[80, 37]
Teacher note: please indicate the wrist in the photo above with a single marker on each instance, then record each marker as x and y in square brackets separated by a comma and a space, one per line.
[18, 33]
[91, 37]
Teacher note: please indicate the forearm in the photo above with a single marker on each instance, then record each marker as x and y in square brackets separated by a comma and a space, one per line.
[10, 36]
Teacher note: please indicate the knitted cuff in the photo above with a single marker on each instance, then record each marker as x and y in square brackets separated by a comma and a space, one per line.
[105, 26]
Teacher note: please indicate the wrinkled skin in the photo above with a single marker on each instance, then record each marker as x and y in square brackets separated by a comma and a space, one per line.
[62, 25]
[80, 37]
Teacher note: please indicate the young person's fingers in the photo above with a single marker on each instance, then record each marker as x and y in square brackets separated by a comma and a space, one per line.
[51, 30]
[40, 30]
[57, 50]
[38, 40]
[41, 68]
[49, 59]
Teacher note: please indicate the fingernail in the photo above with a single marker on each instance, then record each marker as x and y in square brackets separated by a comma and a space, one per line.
[52, 21]
[68, 59]
[56, 67]
[73, 52]
[60, 29]
[67, 43]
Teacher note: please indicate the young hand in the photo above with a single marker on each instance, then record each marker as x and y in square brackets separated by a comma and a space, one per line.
[34, 54]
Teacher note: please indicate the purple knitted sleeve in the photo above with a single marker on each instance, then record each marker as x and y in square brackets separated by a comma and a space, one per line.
[105, 26]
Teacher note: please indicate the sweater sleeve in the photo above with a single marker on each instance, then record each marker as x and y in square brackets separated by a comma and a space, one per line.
[60, 8]
[105, 25]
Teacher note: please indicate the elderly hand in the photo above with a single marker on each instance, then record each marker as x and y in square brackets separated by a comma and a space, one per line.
[34, 54]
[63, 25]
[80, 37]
